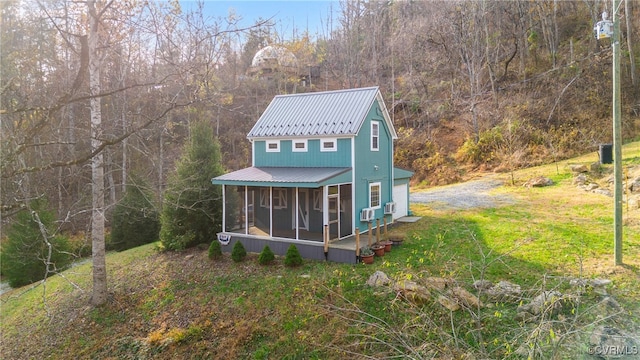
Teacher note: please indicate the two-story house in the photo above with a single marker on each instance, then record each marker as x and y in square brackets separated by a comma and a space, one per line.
[322, 167]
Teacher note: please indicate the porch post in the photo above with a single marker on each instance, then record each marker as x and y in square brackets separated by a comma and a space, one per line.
[270, 211]
[295, 213]
[224, 208]
[325, 205]
[246, 210]
[325, 239]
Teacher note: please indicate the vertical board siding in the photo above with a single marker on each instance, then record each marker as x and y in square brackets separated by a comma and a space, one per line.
[313, 157]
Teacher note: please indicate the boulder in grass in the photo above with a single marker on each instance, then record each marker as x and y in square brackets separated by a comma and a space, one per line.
[579, 168]
[378, 278]
[540, 181]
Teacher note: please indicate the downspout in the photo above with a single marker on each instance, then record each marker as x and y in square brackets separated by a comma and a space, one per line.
[353, 186]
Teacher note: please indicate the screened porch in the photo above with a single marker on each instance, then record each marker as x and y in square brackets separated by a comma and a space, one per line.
[297, 213]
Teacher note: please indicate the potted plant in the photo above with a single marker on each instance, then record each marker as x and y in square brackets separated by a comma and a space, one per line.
[387, 245]
[366, 255]
[378, 249]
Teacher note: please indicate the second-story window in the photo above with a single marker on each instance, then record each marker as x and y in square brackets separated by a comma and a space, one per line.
[299, 146]
[375, 136]
[328, 145]
[273, 145]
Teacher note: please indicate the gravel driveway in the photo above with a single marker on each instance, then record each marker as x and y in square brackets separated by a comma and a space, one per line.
[468, 195]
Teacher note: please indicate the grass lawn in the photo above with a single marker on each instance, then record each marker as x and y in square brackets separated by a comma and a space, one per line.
[183, 305]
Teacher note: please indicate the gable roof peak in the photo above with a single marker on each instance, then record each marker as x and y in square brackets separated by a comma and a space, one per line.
[326, 113]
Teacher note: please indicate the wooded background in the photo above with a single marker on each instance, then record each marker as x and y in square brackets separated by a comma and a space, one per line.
[471, 86]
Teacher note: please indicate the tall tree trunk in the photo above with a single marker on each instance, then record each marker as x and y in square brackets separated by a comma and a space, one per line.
[99, 294]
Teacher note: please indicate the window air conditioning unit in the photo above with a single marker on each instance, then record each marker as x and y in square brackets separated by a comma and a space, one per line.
[389, 208]
[367, 214]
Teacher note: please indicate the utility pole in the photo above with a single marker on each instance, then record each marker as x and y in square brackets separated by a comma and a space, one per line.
[617, 138]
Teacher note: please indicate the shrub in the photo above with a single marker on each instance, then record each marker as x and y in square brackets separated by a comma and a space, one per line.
[292, 258]
[238, 253]
[215, 250]
[24, 253]
[192, 208]
[266, 256]
[135, 219]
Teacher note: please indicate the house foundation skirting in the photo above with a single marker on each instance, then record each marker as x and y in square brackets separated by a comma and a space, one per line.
[308, 249]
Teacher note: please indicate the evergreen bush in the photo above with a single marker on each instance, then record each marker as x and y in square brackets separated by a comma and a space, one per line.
[25, 252]
[215, 250]
[135, 220]
[238, 253]
[292, 258]
[266, 256]
[192, 208]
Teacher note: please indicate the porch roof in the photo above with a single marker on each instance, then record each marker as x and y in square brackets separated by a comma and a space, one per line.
[307, 177]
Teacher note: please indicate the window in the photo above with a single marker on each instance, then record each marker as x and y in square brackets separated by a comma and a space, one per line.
[328, 145]
[273, 145]
[374, 195]
[279, 198]
[264, 197]
[317, 199]
[299, 146]
[375, 136]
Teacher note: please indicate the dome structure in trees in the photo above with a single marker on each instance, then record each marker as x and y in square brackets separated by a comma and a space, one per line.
[274, 59]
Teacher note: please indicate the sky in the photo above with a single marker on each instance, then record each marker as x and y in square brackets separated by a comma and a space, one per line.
[288, 16]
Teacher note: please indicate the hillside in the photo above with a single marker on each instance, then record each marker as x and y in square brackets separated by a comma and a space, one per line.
[183, 305]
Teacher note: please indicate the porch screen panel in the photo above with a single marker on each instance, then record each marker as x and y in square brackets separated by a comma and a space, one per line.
[234, 208]
[262, 212]
[346, 217]
[246, 215]
[310, 214]
[283, 204]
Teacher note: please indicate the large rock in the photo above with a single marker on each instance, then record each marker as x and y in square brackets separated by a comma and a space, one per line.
[465, 298]
[601, 191]
[634, 185]
[549, 303]
[505, 291]
[448, 303]
[378, 278]
[411, 291]
[437, 283]
[634, 202]
[608, 342]
[540, 181]
[591, 187]
[482, 285]
[580, 179]
[579, 168]
[609, 307]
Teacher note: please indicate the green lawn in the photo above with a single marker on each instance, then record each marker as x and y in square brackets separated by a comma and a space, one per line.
[183, 305]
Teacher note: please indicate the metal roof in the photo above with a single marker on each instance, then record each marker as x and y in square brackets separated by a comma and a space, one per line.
[327, 113]
[282, 176]
[400, 173]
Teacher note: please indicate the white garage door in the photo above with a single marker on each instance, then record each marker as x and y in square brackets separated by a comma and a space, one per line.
[400, 195]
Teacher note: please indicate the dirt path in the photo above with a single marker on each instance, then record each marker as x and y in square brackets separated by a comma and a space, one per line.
[467, 195]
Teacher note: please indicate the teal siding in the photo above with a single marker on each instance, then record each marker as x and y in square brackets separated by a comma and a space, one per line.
[313, 157]
[366, 162]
